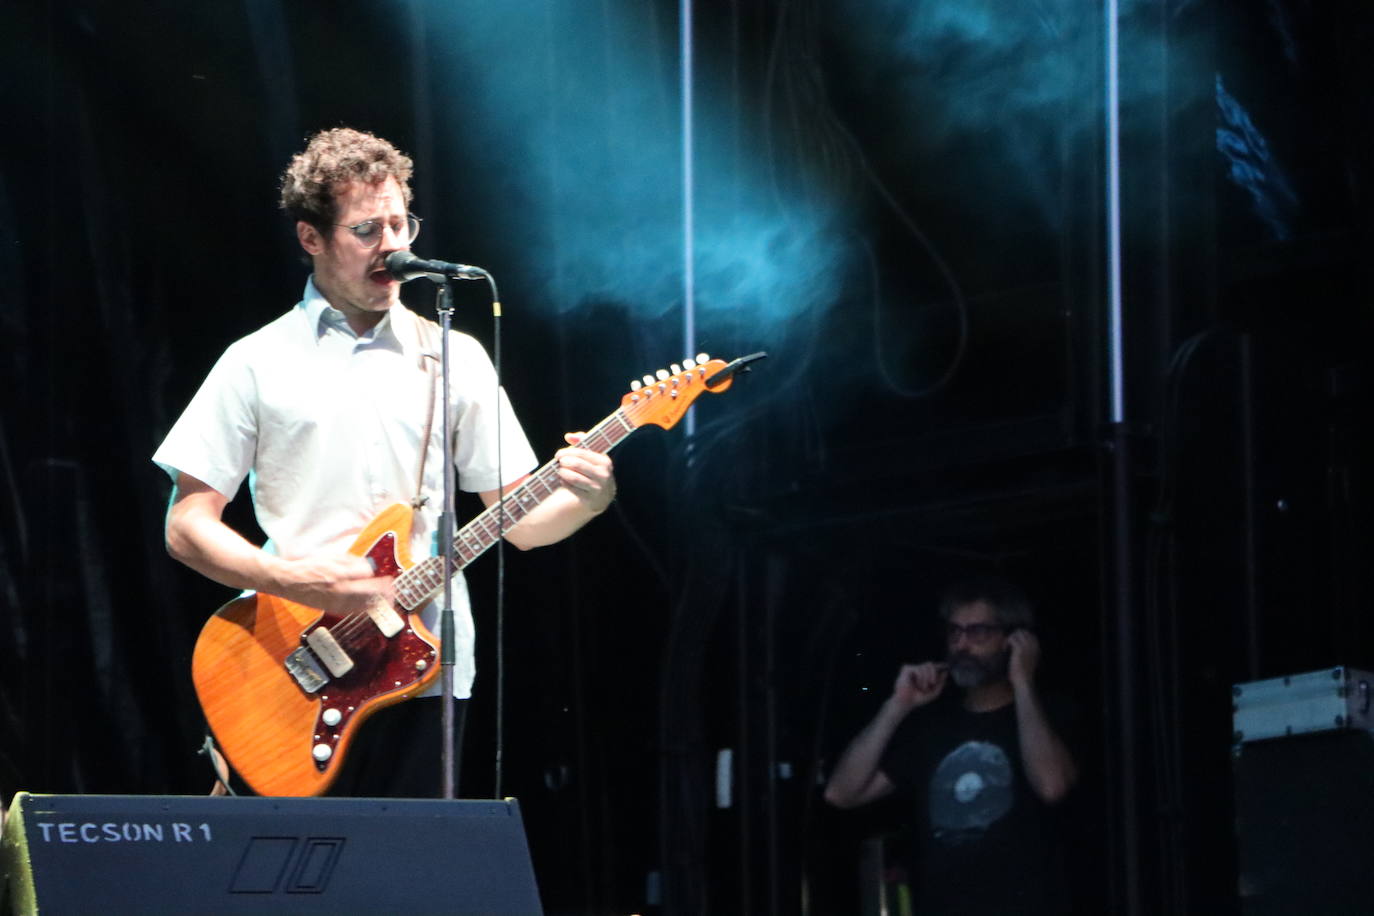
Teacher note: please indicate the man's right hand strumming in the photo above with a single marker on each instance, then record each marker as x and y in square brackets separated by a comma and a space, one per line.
[197, 536]
[342, 583]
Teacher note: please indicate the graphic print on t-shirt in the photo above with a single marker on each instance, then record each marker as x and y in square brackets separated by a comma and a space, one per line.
[970, 791]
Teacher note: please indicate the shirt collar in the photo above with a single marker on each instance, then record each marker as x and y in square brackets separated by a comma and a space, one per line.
[321, 318]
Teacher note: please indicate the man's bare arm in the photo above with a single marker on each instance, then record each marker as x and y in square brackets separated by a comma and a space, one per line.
[588, 487]
[1049, 765]
[198, 537]
[857, 778]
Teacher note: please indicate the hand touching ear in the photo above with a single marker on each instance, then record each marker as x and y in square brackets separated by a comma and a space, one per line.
[1025, 657]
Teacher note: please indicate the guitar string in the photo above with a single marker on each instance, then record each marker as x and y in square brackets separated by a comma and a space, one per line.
[427, 576]
[599, 439]
[354, 625]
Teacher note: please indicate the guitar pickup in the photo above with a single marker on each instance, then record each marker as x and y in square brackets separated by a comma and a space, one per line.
[328, 650]
[386, 619]
[302, 666]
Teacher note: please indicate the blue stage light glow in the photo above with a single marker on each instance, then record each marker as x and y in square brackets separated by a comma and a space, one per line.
[1251, 166]
[579, 137]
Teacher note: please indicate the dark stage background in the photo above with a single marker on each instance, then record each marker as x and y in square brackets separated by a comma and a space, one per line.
[905, 205]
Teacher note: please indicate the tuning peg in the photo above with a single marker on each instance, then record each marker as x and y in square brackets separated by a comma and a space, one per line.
[662, 375]
[689, 363]
[677, 370]
[702, 358]
[636, 385]
[648, 380]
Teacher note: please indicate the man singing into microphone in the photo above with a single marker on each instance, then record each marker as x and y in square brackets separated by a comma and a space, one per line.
[332, 410]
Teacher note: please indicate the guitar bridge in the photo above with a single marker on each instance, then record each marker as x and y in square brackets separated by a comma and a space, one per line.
[302, 666]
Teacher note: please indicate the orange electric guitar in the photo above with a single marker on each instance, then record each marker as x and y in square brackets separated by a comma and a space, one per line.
[285, 687]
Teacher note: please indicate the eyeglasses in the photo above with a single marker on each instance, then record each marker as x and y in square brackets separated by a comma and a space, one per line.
[976, 632]
[369, 232]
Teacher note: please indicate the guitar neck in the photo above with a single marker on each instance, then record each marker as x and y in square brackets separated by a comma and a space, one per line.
[423, 581]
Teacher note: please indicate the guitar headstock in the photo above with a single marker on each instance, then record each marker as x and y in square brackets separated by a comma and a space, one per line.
[663, 398]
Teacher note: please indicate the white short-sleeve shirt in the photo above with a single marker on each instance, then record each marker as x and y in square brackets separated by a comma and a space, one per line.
[326, 425]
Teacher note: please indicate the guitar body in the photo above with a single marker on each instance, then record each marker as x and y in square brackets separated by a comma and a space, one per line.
[285, 687]
[282, 733]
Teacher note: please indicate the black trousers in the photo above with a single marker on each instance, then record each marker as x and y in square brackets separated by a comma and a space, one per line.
[398, 752]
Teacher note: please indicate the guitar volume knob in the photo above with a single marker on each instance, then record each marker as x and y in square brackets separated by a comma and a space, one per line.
[322, 752]
[331, 717]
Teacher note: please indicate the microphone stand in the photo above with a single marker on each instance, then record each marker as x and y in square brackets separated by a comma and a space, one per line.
[444, 308]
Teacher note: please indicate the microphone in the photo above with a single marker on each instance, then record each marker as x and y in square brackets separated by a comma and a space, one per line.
[406, 266]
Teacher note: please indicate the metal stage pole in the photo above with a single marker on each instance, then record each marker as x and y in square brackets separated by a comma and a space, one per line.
[1119, 617]
[446, 628]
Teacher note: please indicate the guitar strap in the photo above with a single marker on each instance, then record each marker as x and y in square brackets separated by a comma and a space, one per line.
[426, 333]
[427, 345]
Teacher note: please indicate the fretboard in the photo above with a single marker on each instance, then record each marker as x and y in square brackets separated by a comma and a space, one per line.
[422, 582]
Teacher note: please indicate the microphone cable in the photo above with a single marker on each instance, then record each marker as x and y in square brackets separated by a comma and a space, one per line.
[499, 758]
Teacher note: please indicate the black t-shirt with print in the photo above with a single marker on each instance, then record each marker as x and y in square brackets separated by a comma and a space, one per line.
[984, 841]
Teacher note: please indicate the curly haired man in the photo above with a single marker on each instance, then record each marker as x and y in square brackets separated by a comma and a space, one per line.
[326, 408]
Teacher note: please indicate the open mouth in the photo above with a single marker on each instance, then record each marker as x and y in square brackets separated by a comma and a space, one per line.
[382, 277]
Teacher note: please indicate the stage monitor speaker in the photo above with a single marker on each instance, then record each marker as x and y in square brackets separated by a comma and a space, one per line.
[149, 855]
[1305, 823]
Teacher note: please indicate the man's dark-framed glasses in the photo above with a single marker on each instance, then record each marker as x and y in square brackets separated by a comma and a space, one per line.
[976, 632]
[370, 231]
